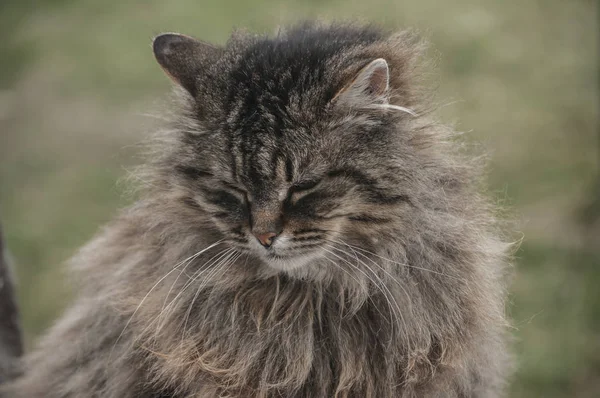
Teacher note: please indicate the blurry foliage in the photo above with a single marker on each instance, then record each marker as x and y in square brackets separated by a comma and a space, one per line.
[76, 78]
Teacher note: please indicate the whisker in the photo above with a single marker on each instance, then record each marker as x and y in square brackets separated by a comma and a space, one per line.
[197, 274]
[392, 277]
[383, 284]
[182, 271]
[360, 249]
[216, 267]
[154, 287]
[380, 286]
[358, 283]
[389, 294]
[167, 308]
[170, 307]
[396, 108]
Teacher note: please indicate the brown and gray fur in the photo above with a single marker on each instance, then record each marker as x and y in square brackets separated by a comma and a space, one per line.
[386, 279]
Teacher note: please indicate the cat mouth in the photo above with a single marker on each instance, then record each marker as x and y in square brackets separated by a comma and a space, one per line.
[281, 256]
[275, 256]
[288, 262]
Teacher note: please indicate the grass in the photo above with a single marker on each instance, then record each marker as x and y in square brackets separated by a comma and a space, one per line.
[520, 77]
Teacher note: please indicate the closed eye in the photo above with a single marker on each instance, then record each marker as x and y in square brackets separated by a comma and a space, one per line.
[304, 186]
[301, 189]
[239, 192]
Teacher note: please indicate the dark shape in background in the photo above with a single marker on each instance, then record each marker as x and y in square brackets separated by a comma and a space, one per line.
[11, 346]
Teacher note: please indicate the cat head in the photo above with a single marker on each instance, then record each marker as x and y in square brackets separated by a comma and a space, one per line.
[294, 142]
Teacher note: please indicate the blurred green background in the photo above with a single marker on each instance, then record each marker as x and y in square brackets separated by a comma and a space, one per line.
[78, 77]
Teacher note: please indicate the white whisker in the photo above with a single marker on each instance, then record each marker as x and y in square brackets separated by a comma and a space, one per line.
[358, 282]
[167, 308]
[154, 287]
[197, 274]
[382, 269]
[396, 108]
[380, 286]
[191, 259]
[360, 249]
[214, 272]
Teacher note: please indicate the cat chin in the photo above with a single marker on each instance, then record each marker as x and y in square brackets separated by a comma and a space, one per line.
[286, 264]
[291, 265]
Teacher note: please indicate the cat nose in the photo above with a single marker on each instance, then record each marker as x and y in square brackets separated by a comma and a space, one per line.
[266, 223]
[266, 239]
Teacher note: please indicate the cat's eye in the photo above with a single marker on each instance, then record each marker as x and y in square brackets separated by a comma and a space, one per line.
[238, 191]
[301, 189]
[304, 186]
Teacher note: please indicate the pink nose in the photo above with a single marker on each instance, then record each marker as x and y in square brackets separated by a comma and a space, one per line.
[266, 239]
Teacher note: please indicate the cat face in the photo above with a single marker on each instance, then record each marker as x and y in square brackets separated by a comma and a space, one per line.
[294, 145]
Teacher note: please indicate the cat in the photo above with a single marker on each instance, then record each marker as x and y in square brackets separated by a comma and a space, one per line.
[306, 229]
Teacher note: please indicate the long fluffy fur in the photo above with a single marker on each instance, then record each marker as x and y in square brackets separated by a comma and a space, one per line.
[404, 295]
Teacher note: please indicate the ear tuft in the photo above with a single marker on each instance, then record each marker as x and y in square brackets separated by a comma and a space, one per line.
[183, 57]
[370, 86]
[377, 77]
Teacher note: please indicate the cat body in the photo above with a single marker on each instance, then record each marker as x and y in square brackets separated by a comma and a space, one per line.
[306, 231]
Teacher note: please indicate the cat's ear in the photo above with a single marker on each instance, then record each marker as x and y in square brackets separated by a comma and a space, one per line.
[183, 58]
[369, 87]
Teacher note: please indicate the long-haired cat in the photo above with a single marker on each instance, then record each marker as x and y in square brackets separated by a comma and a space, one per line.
[306, 230]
